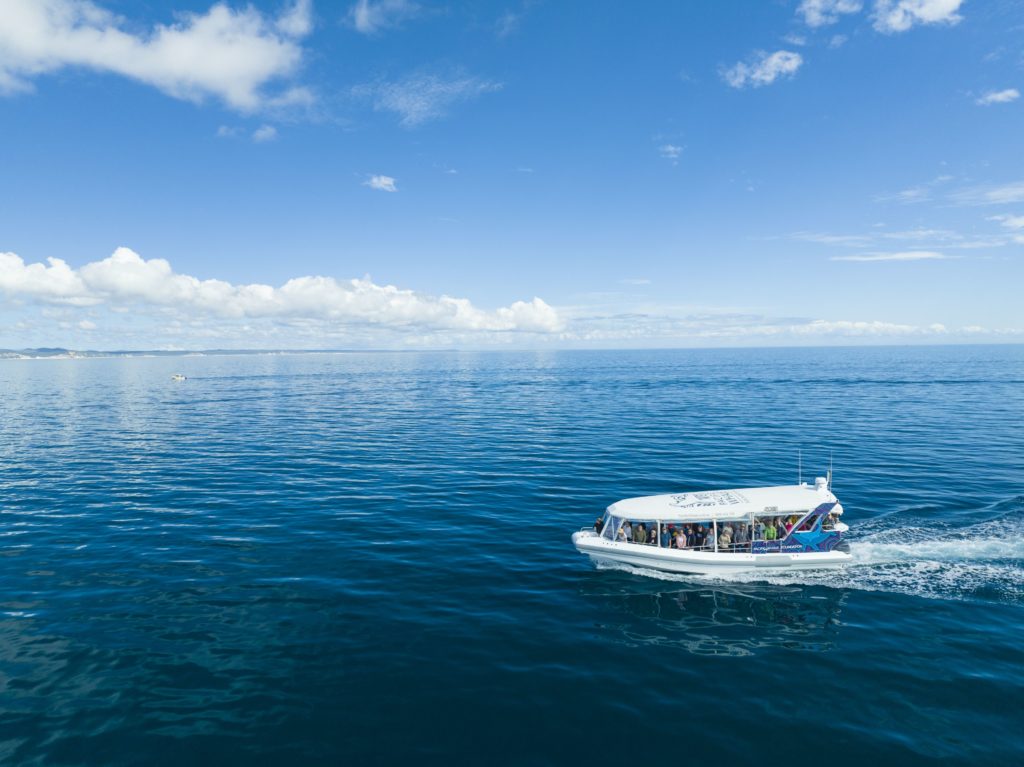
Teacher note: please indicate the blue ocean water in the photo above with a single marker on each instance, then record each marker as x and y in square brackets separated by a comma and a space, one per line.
[365, 559]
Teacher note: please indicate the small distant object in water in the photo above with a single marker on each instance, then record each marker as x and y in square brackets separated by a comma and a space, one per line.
[178, 377]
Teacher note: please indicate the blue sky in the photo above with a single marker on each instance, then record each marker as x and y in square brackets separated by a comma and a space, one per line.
[512, 174]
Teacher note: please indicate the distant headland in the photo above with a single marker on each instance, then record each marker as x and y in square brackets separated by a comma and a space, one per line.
[61, 353]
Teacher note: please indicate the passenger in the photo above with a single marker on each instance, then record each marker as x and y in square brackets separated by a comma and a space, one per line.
[628, 530]
[599, 525]
[698, 537]
[759, 527]
[681, 542]
[640, 534]
[725, 539]
[690, 536]
[769, 531]
[790, 521]
[621, 535]
[729, 531]
[742, 539]
[666, 537]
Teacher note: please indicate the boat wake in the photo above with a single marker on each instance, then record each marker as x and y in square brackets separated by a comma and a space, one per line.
[984, 562]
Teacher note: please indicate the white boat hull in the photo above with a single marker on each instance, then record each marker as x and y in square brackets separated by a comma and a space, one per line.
[602, 550]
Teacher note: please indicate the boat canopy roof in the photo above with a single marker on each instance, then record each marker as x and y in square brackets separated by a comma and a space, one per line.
[706, 505]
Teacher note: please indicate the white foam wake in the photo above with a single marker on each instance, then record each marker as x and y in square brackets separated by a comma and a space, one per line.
[969, 550]
[984, 562]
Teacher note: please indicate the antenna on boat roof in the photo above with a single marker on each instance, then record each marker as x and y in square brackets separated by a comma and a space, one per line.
[799, 467]
[830, 471]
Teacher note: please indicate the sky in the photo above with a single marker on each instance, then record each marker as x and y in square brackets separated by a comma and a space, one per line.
[517, 174]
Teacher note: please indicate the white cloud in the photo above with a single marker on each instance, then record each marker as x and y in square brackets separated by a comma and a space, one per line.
[1010, 222]
[862, 328]
[855, 240]
[297, 21]
[891, 16]
[87, 325]
[922, 238]
[667, 328]
[635, 281]
[381, 183]
[57, 283]
[423, 97]
[226, 131]
[920, 193]
[264, 133]
[999, 97]
[906, 255]
[763, 69]
[233, 55]
[818, 13]
[994, 194]
[127, 280]
[837, 41]
[507, 23]
[372, 16]
[908, 195]
[670, 152]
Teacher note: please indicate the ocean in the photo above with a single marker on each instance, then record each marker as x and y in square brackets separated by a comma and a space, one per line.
[364, 558]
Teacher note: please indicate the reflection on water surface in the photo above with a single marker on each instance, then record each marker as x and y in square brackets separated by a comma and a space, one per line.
[733, 619]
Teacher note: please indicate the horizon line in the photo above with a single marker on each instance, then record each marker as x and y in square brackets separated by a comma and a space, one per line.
[47, 352]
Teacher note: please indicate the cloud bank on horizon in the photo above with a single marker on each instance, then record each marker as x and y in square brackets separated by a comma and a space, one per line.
[126, 280]
[124, 292]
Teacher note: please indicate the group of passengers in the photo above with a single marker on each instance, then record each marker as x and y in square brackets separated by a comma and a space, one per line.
[774, 529]
[672, 536]
[732, 536]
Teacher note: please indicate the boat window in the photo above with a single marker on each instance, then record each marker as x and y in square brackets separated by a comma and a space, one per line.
[611, 526]
[807, 523]
[642, 532]
[733, 536]
[686, 535]
[766, 529]
[775, 527]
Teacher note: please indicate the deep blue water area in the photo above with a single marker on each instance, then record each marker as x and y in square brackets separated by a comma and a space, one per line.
[365, 559]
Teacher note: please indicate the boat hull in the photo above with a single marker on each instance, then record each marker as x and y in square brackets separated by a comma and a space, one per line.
[603, 551]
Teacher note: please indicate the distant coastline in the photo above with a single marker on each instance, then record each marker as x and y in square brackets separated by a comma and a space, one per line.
[48, 353]
[60, 353]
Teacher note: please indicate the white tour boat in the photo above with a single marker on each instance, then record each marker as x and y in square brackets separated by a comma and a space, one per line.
[791, 527]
